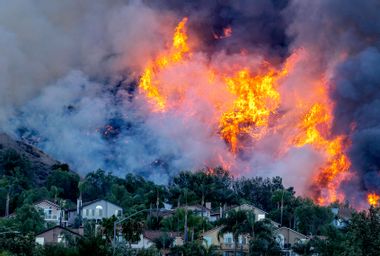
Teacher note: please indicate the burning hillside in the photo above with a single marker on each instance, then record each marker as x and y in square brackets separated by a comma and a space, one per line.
[249, 112]
[265, 88]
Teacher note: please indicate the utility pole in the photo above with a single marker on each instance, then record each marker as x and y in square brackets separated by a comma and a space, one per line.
[282, 205]
[185, 227]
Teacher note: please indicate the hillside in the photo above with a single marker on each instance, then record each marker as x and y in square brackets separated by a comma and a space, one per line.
[40, 162]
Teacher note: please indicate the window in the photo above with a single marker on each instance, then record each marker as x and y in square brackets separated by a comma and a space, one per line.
[47, 213]
[99, 211]
[228, 238]
[117, 213]
[60, 238]
[93, 212]
[260, 216]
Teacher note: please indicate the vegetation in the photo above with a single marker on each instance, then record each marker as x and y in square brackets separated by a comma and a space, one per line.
[134, 193]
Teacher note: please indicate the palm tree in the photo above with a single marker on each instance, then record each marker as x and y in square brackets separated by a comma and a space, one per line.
[238, 223]
[211, 251]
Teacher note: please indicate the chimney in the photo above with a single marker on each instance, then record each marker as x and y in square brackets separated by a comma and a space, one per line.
[79, 205]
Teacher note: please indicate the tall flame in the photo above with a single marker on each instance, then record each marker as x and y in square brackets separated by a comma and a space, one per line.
[254, 100]
[373, 199]
[179, 48]
[257, 99]
[314, 129]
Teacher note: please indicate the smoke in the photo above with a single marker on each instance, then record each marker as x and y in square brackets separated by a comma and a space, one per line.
[345, 37]
[69, 72]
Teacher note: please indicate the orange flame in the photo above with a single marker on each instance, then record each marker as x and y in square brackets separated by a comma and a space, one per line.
[373, 199]
[254, 100]
[148, 84]
[313, 128]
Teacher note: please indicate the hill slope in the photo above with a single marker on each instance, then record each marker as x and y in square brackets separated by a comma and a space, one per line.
[40, 162]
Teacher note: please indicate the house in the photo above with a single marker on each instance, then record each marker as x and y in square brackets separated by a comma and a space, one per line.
[199, 210]
[52, 212]
[225, 243]
[287, 237]
[57, 234]
[94, 210]
[149, 238]
[259, 214]
[342, 216]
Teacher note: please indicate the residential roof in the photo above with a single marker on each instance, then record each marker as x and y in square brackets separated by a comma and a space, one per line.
[48, 202]
[211, 230]
[155, 234]
[60, 227]
[247, 205]
[92, 202]
[291, 230]
[198, 206]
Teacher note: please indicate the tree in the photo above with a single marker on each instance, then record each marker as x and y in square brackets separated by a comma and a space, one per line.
[363, 234]
[285, 204]
[94, 246]
[58, 250]
[211, 185]
[238, 223]
[311, 218]
[107, 225]
[263, 242]
[257, 191]
[176, 222]
[189, 249]
[65, 183]
[29, 219]
[164, 242]
[332, 245]
[132, 229]
[16, 176]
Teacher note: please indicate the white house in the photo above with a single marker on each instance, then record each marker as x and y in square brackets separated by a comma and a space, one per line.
[95, 210]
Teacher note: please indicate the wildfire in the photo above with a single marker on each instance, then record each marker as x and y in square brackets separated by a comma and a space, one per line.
[254, 100]
[373, 199]
[148, 82]
[314, 129]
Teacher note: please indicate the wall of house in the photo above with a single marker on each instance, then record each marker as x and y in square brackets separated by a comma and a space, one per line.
[289, 235]
[100, 209]
[50, 236]
[259, 214]
[55, 212]
[143, 243]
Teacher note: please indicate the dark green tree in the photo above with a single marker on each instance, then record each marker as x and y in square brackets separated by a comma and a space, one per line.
[312, 218]
[131, 230]
[263, 242]
[363, 235]
[29, 219]
[66, 182]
